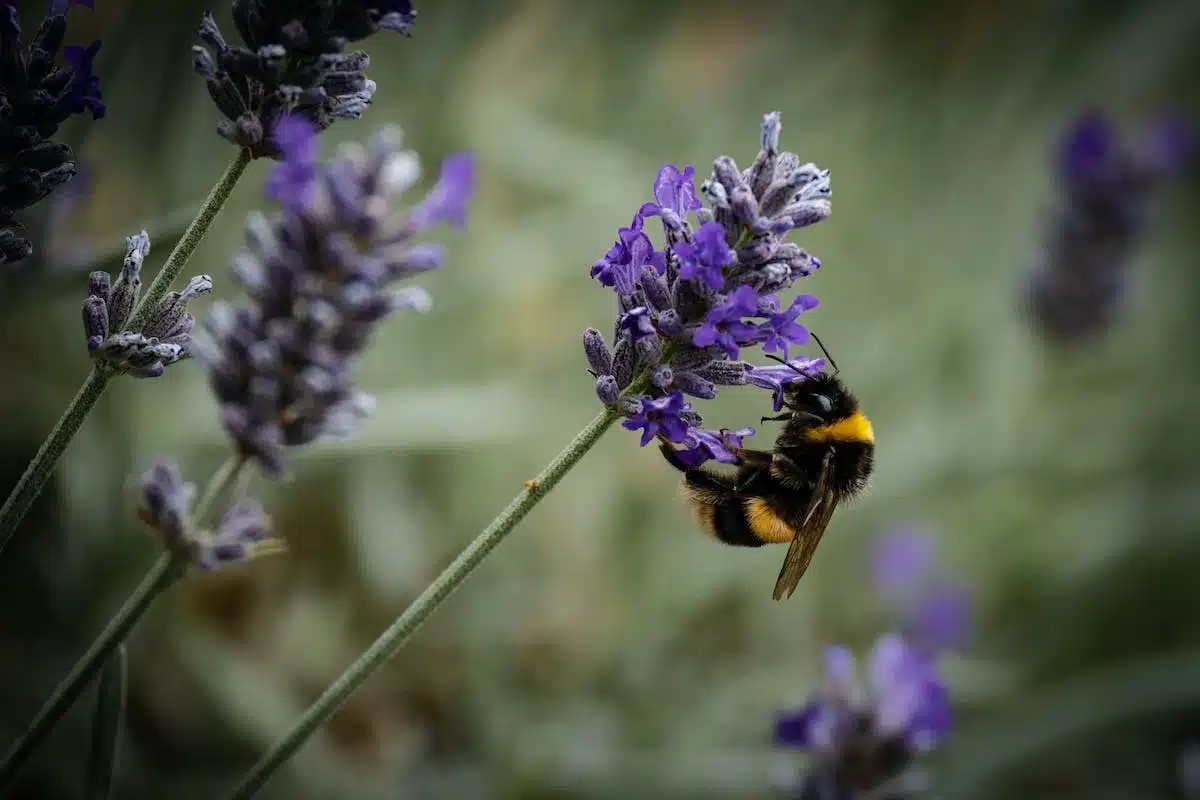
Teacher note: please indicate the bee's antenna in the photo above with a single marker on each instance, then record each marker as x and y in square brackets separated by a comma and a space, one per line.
[825, 352]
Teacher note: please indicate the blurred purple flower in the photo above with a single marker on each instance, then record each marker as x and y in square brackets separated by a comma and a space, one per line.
[862, 736]
[936, 612]
[291, 180]
[319, 282]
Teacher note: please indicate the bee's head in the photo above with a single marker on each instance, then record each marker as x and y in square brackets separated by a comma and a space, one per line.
[820, 400]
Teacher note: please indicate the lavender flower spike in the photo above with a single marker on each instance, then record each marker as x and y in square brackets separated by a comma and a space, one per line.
[108, 307]
[686, 313]
[242, 533]
[294, 61]
[1108, 186]
[318, 282]
[38, 95]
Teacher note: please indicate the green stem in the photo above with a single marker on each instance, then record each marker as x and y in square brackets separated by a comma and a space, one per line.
[167, 570]
[392, 639]
[106, 728]
[188, 243]
[42, 466]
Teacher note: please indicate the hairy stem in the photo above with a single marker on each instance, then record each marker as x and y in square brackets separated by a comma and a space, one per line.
[167, 570]
[42, 466]
[422, 608]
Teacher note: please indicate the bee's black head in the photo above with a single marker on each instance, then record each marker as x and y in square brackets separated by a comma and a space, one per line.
[823, 397]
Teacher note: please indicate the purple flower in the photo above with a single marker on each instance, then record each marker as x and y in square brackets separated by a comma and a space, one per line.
[781, 328]
[686, 311]
[778, 377]
[674, 195]
[661, 415]
[37, 96]
[863, 736]
[319, 281]
[936, 612]
[706, 259]
[448, 200]
[705, 445]
[623, 262]
[723, 326]
[291, 180]
[636, 322]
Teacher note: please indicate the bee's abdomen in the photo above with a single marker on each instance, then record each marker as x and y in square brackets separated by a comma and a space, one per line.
[731, 526]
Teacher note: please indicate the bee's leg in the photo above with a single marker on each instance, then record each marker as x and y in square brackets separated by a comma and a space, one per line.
[789, 473]
[672, 457]
[754, 465]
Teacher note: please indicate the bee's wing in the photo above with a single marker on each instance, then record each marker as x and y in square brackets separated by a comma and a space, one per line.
[808, 534]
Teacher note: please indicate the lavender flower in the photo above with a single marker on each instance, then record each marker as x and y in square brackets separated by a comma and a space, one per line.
[863, 738]
[1108, 187]
[294, 62]
[242, 533]
[686, 312]
[319, 282]
[36, 96]
[108, 307]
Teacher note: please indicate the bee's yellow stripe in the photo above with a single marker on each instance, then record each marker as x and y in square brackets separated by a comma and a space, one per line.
[854, 428]
[766, 524]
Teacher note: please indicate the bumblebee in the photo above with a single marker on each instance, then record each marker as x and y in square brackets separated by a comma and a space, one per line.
[824, 456]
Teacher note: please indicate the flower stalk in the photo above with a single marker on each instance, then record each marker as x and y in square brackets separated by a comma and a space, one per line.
[392, 639]
[165, 573]
[42, 466]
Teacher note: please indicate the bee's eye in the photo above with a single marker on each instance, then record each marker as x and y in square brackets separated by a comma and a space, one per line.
[824, 402]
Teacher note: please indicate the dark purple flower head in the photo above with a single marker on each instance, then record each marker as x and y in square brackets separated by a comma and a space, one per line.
[686, 312]
[862, 735]
[37, 95]
[705, 260]
[293, 61]
[109, 306]
[1107, 188]
[319, 281]
[242, 533]
[935, 611]
[661, 416]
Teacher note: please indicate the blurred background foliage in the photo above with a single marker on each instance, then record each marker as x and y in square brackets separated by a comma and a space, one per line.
[608, 649]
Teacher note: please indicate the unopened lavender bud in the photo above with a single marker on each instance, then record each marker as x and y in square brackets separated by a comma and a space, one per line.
[129, 285]
[725, 373]
[100, 286]
[668, 323]
[623, 358]
[693, 384]
[781, 193]
[759, 176]
[165, 321]
[95, 319]
[599, 357]
[662, 376]
[649, 351]
[657, 295]
[808, 212]
[726, 173]
[607, 389]
[743, 205]
[717, 197]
